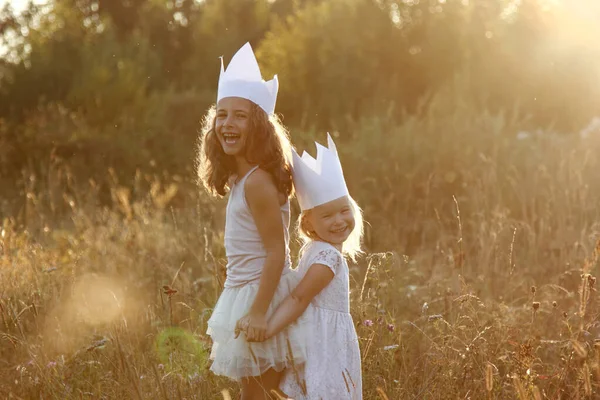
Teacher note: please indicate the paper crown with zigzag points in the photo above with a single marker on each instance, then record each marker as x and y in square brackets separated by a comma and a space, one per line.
[242, 78]
[318, 180]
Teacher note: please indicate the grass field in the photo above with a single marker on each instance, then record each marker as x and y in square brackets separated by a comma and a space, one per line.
[479, 281]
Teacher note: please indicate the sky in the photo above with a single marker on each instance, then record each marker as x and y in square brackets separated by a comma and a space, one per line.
[18, 5]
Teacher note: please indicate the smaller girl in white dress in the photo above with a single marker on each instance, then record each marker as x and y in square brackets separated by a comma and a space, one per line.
[331, 226]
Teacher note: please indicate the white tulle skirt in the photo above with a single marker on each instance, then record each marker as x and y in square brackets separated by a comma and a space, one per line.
[237, 358]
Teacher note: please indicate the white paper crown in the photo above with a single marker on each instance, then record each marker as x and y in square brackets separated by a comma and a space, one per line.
[321, 180]
[243, 79]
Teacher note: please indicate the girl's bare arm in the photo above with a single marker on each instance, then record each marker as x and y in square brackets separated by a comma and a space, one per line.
[263, 199]
[315, 280]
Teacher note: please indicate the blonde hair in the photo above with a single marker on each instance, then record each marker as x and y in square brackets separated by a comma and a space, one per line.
[268, 146]
[352, 247]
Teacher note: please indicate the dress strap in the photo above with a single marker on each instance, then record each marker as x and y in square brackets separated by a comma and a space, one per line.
[241, 180]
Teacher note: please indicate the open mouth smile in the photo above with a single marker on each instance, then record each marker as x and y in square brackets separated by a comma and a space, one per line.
[231, 138]
[340, 230]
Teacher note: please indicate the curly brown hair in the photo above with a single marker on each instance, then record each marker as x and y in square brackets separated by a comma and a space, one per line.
[267, 145]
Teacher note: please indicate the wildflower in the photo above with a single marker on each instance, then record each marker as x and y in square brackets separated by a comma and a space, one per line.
[554, 304]
[161, 367]
[169, 291]
[368, 322]
[391, 327]
[193, 377]
[51, 364]
[536, 305]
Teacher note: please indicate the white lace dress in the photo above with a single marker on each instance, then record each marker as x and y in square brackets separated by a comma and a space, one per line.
[332, 369]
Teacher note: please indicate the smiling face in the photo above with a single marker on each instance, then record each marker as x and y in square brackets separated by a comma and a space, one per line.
[331, 222]
[232, 124]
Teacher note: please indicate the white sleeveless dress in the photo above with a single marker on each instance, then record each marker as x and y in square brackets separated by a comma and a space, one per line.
[237, 358]
[333, 367]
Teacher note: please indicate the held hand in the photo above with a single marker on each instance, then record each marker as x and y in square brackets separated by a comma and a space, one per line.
[269, 332]
[257, 327]
[241, 326]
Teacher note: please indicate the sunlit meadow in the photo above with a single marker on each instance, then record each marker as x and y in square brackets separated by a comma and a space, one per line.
[482, 244]
[479, 279]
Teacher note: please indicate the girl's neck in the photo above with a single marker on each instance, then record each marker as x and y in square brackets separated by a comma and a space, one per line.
[242, 166]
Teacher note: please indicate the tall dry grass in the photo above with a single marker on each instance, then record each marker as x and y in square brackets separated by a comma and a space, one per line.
[479, 280]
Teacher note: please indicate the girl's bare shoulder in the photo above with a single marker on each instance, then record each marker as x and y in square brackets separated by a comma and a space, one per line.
[259, 179]
[259, 186]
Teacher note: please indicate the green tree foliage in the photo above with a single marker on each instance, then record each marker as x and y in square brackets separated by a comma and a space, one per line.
[334, 58]
[139, 74]
[223, 27]
[357, 57]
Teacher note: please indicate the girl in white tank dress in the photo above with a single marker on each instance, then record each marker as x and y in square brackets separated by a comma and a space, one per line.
[331, 226]
[246, 150]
